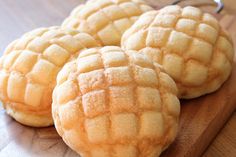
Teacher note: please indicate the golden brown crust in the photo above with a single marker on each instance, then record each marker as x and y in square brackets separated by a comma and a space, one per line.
[29, 67]
[110, 102]
[190, 44]
[106, 20]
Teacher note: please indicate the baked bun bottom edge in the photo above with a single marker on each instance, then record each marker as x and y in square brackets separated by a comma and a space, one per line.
[29, 119]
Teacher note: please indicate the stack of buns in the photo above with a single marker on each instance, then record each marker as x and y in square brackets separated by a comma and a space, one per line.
[111, 76]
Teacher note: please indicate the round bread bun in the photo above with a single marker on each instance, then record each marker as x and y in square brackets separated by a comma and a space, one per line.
[110, 102]
[106, 20]
[28, 70]
[189, 44]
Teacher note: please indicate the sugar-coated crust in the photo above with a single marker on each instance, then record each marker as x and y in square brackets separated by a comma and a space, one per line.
[115, 103]
[29, 67]
[106, 20]
[190, 45]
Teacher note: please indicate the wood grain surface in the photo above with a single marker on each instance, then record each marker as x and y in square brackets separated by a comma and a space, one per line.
[201, 119]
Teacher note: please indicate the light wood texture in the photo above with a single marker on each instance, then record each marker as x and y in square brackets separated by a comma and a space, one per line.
[201, 119]
[224, 144]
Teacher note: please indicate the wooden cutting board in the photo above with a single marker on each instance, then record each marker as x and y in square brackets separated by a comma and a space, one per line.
[200, 121]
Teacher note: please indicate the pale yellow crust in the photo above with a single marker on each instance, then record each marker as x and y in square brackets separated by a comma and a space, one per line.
[30, 119]
[28, 70]
[106, 20]
[190, 45]
[115, 103]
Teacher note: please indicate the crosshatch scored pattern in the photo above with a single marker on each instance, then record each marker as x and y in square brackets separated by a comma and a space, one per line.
[30, 65]
[111, 103]
[190, 45]
[106, 20]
